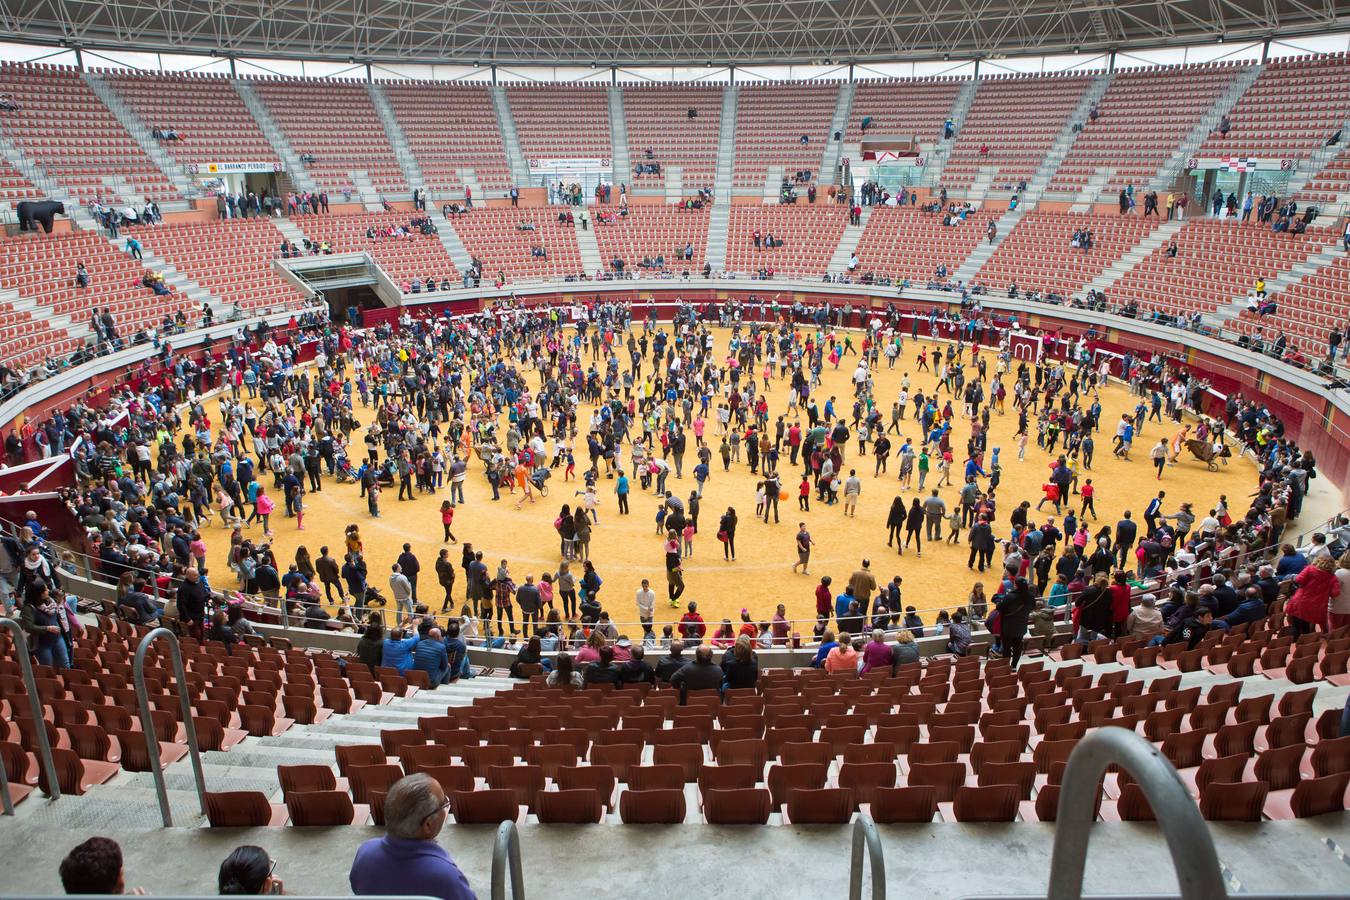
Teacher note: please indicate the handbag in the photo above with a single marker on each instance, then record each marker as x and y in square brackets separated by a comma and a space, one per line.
[723, 536]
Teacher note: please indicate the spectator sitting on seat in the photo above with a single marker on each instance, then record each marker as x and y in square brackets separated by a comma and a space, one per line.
[9, 104]
[248, 871]
[94, 867]
[81, 275]
[603, 670]
[1190, 629]
[408, 859]
[700, 675]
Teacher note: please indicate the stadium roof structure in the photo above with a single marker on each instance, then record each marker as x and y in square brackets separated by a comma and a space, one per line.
[670, 32]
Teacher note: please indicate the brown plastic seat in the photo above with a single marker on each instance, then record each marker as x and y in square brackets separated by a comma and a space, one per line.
[838, 737]
[484, 756]
[526, 781]
[933, 752]
[619, 757]
[1282, 731]
[1183, 748]
[73, 775]
[993, 803]
[551, 757]
[1312, 797]
[663, 777]
[986, 752]
[305, 778]
[349, 755]
[881, 752]
[1240, 801]
[321, 808]
[899, 805]
[1021, 775]
[423, 756]
[943, 777]
[1294, 703]
[451, 778]
[578, 806]
[661, 806]
[1330, 756]
[302, 709]
[1222, 769]
[864, 779]
[727, 777]
[737, 806]
[92, 742]
[243, 809]
[820, 806]
[393, 739]
[900, 736]
[783, 779]
[811, 752]
[515, 738]
[1133, 806]
[753, 752]
[485, 807]
[1254, 709]
[366, 780]
[600, 779]
[1279, 767]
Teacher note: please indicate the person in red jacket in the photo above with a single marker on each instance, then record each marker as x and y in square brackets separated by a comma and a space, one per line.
[692, 628]
[1120, 602]
[1317, 584]
[824, 601]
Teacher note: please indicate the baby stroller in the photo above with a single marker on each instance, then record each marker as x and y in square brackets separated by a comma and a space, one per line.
[344, 471]
[374, 597]
[539, 478]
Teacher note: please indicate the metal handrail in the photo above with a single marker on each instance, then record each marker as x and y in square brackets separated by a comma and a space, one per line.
[39, 724]
[506, 848]
[148, 724]
[1188, 838]
[865, 834]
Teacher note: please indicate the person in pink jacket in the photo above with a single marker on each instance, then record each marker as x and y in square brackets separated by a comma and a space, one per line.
[1317, 584]
[877, 653]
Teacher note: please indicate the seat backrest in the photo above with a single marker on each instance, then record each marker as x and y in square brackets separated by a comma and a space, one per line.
[1317, 796]
[992, 803]
[600, 779]
[305, 778]
[1331, 756]
[484, 807]
[944, 777]
[737, 806]
[783, 779]
[727, 777]
[421, 757]
[349, 755]
[451, 778]
[367, 779]
[794, 753]
[863, 778]
[1224, 768]
[318, 808]
[238, 809]
[664, 777]
[934, 752]
[662, 806]
[1240, 801]
[1133, 806]
[1021, 775]
[820, 806]
[578, 806]
[689, 757]
[898, 805]
[526, 781]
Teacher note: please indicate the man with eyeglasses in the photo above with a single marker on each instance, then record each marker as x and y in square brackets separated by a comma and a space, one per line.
[408, 860]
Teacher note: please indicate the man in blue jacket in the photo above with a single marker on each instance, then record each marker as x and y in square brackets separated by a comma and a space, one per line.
[430, 656]
[398, 648]
[409, 860]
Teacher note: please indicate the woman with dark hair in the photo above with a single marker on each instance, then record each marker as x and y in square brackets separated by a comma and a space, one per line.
[741, 665]
[603, 670]
[221, 631]
[234, 617]
[895, 521]
[1014, 611]
[727, 527]
[370, 649]
[563, 673]
[248, 870]
[567, 531]
[530, 653]
[914, 526]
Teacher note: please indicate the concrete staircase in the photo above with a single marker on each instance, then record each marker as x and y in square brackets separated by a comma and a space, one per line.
[140, 132]
[979, 187]
[290, 231]
[1223, 104]
[848, 241]
[1280, 283]
[1063, 143]
[773, 184]
[843, 106]
[674, 188]
[366, 190]
[971, 266]
[591, 260]
[280, 145]
[1091, 192]
[1310, 168]
[1156, 238]
[469, 178]
[939, 153]
[720, 221]
[407, 162]
[11, 299]
[48, 187]
[621, 167]
[454, 247]
[176, 279]
[506, 124]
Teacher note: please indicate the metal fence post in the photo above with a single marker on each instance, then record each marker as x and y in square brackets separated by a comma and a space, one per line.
[865, 834]
[148, 723]
[506, 849]
[35, 706]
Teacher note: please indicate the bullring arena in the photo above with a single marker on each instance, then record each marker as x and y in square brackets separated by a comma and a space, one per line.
[450, 454]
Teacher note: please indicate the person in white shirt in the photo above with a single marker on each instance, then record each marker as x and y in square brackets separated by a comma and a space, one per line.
[646, 606]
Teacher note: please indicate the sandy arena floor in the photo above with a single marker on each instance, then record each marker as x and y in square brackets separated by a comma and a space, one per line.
[626, 549]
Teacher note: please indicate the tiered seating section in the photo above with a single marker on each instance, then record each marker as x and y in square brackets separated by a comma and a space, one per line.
[770, 122]
[658, 119]
[43, 270]
[649, 231]
[211, 121]
[562, 121]
[1306, 312]
[13, 186]
[953, 740]
[402, 258]
[336, 123]
[902, 109]
[1290, 111]
[1143, 115]
[64, 127]
[810, 235]
[903, 242]
[1038, 254]
[450, 127]
[495, 236]
[231, 258]
[1217, 261]
[1017, 118]
[1330, 186]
